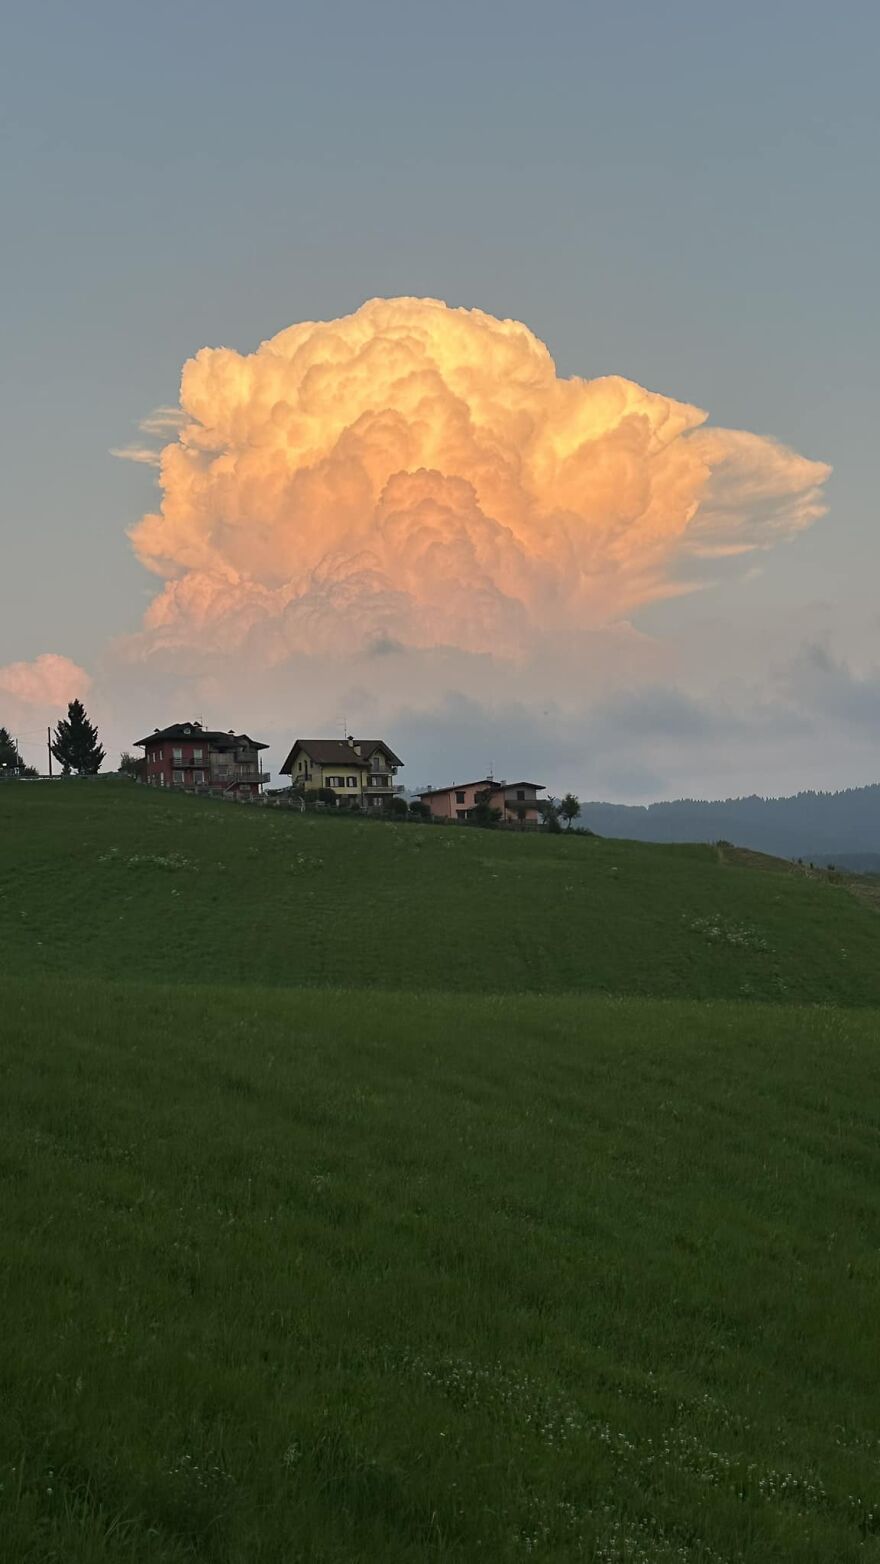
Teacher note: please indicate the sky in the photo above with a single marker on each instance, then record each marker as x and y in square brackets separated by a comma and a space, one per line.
[526, 562]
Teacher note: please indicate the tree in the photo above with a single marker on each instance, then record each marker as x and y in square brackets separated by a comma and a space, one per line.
[483, 813]
[129, 765]
[550, 814]
[11, 763]
[570, 808]
[419, 810]
[9, 755]
[75, 745]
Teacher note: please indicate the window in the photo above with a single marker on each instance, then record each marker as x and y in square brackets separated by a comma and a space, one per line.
[198, 777]
[351, 781]
[197, 754]
[459, 799]
[336, 781]
[177, 755]
[520, 793]
[461, 814]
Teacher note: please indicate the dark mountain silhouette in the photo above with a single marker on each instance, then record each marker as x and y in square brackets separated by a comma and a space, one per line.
[841, 828]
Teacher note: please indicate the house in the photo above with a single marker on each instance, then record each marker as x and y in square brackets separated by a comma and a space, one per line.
[188, 755]
[360, 772]
[518, 801]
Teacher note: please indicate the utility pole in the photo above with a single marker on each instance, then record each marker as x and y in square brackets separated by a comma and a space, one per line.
[49, 747]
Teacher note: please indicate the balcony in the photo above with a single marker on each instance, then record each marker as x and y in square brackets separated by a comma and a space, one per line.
[228, 774]
[382, 787]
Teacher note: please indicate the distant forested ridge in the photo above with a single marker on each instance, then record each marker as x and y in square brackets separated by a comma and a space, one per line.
[841, 827]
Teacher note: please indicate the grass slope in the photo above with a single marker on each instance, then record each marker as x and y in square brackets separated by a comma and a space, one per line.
[295, 1277]
[304, 1259]
[111, 880]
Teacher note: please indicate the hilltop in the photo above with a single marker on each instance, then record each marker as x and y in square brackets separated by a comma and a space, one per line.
[841, 828]
[106, 879]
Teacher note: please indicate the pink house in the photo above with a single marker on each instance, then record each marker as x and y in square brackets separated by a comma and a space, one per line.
[518, 801]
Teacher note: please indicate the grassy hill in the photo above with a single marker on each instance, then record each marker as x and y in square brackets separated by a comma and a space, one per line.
[341, 1222]
[111, 880]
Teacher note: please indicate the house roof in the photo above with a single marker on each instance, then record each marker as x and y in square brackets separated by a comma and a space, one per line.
[339, 752]
[489, 782]
[432, 792]
[195, 731]
[369, 746]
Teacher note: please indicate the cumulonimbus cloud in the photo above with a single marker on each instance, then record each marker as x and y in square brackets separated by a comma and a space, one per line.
[422, 475]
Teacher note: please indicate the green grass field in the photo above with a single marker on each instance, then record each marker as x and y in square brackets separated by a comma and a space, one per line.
[111, 880]
[342, 1222]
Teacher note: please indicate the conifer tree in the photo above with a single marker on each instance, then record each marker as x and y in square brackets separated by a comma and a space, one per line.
[11, 763]
[9, 756]
[75, 745]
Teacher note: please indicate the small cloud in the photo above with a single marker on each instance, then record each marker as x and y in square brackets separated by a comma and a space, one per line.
[49, 680]
[137, 453]
[163, 420]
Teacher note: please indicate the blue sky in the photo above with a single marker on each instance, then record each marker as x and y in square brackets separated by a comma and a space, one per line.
[684, 195]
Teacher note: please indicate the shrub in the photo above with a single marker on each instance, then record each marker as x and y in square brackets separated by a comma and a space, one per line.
[320, 795]
[549, 809]
[483, 813]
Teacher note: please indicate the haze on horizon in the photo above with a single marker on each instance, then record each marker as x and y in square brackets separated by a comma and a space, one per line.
[454, 481]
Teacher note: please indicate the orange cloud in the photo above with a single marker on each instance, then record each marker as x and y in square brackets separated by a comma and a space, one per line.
[421, 474]
[49, 680]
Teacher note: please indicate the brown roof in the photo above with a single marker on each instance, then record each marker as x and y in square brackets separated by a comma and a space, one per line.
[339, 752]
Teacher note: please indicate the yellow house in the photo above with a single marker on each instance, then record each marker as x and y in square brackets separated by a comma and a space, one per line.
[360, 772]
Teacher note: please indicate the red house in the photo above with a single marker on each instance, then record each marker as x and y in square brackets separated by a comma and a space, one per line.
[188, 755]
